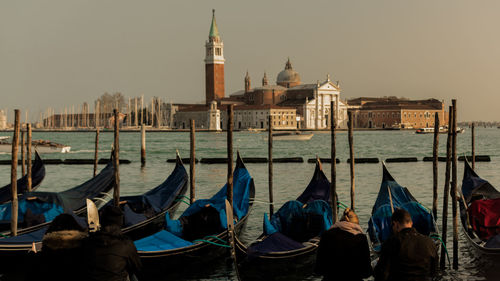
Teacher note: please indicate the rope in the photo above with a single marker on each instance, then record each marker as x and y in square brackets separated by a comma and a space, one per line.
[183, 196]
[4, 236]
[181, 200]
[213, 243]
[342, 205]
[215, 237]
[438, 237]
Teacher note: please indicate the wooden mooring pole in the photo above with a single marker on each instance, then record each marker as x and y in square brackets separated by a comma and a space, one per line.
[192, 163]
[13, 174]
[435, 155]
[116, 160]
[230, 115]
[473, 148]
[351, 154]
[446, 190]
[270, 164]
[333, 184]
[28, 155]
[454, 186]
[96, 150]
[23, 159]
[143, 144]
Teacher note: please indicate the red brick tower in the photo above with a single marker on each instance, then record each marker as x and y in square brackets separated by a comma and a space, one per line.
[214, 65]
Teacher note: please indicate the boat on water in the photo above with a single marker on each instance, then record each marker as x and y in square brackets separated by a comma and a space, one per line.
[37, 209]
[293, 136]
[195, 238]
[391, 196]
[143, 215]
[442, 130]
[480, 213]
[4, 137]
[37, 175]
[288, 245]
[42, 146]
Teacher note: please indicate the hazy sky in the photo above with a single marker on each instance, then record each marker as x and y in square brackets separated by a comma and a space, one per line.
[63, 53]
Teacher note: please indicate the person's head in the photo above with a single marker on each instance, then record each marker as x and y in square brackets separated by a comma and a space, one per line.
[401, 219]
[350, 216]
[64, 222]
[111, 216]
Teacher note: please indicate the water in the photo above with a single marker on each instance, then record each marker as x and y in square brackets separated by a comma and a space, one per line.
[289, 179]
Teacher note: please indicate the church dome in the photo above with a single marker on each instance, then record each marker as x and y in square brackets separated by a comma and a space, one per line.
[288, 77]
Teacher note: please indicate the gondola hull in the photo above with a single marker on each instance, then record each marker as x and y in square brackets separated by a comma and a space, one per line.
[297, 263]
[473, 183]
[291, 264]
[183, 260]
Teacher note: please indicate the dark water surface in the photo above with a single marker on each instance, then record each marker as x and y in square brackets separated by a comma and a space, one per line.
[289, 179]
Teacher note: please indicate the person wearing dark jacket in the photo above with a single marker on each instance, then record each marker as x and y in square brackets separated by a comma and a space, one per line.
[109, 255]
[343, 252]
[407, 254]
[61, 255]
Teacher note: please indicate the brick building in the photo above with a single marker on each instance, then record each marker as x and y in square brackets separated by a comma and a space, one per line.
[392, 112]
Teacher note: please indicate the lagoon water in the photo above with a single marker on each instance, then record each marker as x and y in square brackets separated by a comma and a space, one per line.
[289, 178]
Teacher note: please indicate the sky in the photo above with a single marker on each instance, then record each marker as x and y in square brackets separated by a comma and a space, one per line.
[61, 53]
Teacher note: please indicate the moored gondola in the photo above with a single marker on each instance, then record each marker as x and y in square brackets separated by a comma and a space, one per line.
[38, 209]
[291, 237]
[391, 196]
[143, 215]
[37, 175]
[480, 213]
[199, 236]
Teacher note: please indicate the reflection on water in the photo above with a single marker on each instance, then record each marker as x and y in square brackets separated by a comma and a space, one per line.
[289, 179]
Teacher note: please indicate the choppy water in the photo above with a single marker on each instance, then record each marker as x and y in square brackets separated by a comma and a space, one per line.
[289, 179]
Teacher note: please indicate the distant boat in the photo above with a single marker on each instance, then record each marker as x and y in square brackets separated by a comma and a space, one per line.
[442, 130]
[42, 146]
[292, 136]
[4, 137]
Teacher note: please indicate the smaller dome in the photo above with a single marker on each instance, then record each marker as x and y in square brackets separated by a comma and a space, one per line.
[288, 77]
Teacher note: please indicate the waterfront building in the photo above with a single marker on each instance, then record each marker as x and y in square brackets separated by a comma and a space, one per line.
[393, 112]
[311, 101]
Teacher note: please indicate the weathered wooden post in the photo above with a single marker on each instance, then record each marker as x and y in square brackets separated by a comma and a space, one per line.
[28, 155]
[192, 163]
[473, 148]
[13, 174]
[446, 189]
[23, 159]
[270, 163]
[230, 115]
[143, 145]
[116, 159]
[351, 154]
[96, 150]
[435, 166]
[333, 184]
[454, 186]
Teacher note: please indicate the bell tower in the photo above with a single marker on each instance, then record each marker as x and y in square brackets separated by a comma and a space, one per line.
[214, 64]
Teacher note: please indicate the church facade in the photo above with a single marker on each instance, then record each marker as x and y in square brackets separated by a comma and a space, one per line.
[311, 101]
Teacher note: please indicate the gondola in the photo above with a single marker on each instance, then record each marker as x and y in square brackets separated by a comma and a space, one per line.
[480, 213]
[143, 215]
[199, 236]
[37, 175]
[290, 240]
[38, 209]
[391, 196]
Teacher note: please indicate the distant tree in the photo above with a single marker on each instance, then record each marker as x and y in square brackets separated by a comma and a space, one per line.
[108, 102]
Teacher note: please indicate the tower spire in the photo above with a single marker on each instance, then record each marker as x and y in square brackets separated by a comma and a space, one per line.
[265, 82]
[214, 31]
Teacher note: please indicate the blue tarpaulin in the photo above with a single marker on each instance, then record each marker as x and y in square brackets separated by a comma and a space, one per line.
[379, 226]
